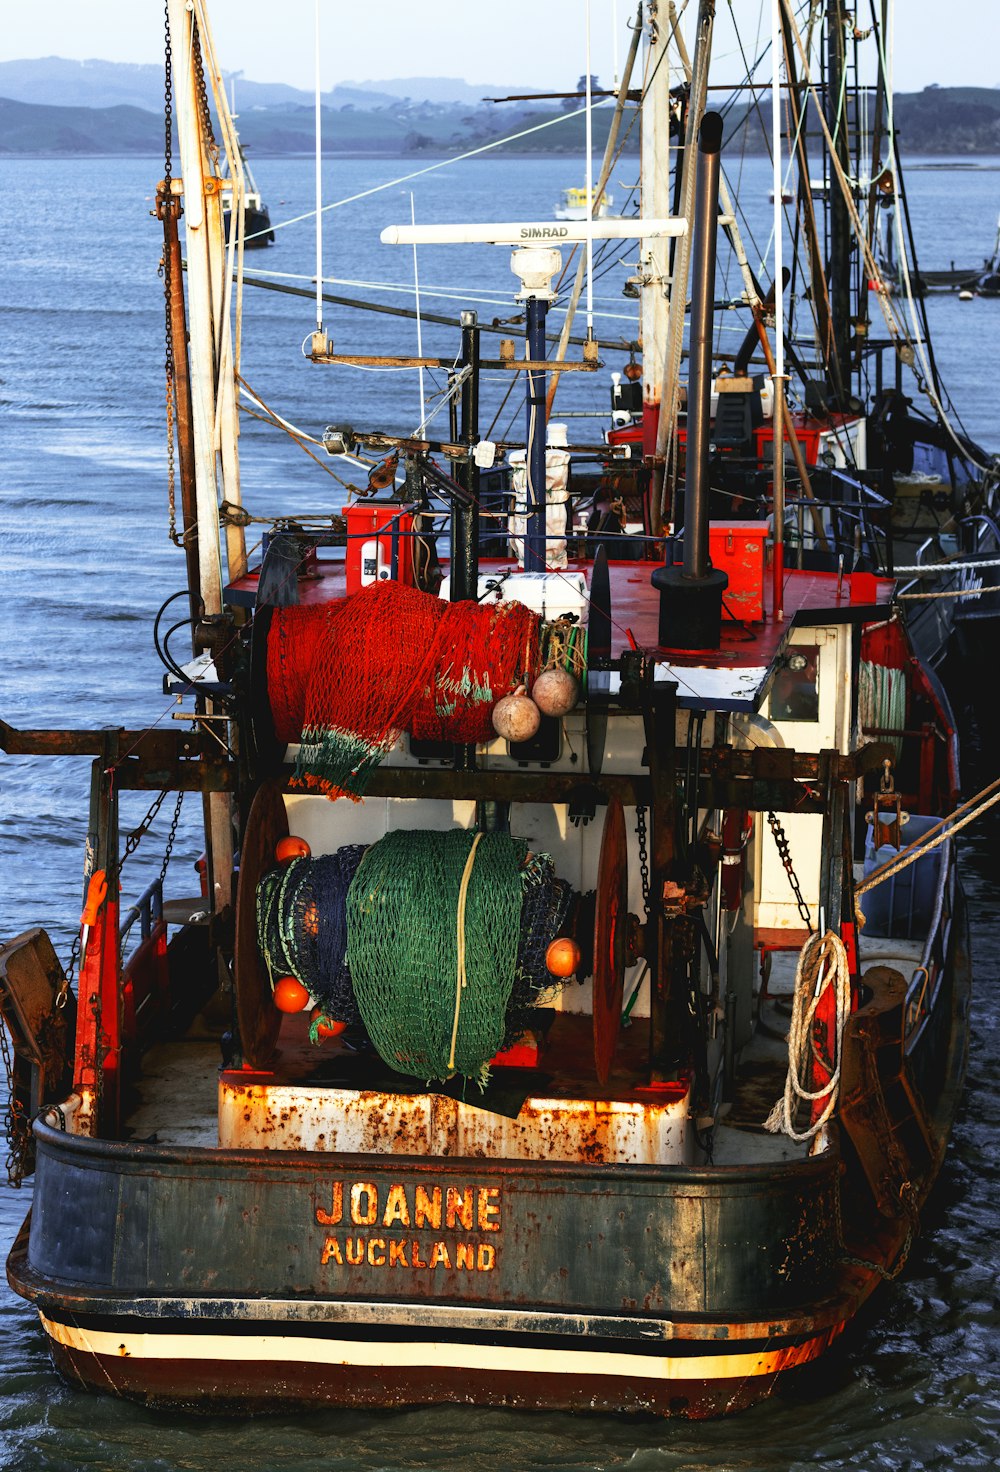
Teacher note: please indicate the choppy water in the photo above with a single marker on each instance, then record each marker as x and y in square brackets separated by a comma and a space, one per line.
[85, 562]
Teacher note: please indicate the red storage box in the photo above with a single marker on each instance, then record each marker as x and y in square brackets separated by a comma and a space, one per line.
[370, 525]
[737, 549]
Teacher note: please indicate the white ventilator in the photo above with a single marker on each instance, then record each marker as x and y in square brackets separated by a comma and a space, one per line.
[556, 496]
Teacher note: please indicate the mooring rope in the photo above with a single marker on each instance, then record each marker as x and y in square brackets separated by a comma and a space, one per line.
[822, 964]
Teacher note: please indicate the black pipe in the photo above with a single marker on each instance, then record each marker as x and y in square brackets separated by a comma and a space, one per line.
[840, 219]
[465, 518]
[691, 596]
[706, 229]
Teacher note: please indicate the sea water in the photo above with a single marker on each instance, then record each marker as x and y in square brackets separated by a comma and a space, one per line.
[85, 562]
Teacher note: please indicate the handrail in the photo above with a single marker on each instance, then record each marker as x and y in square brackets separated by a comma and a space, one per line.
[148, 909]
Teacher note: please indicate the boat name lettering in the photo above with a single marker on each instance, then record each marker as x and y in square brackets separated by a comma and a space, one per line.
[544, 232]
[408, 1252]
[466, 1208]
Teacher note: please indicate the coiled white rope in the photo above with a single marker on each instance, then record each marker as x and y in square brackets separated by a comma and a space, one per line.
[822, 965]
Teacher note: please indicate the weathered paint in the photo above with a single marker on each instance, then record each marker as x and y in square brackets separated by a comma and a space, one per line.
[570, 1238]
[266, 1116]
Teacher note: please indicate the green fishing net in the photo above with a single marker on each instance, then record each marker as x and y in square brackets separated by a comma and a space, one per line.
[433, 924]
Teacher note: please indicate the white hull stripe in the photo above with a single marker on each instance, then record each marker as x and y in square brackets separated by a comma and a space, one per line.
[345, 1353]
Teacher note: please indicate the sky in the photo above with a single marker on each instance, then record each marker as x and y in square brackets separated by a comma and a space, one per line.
[540, 43]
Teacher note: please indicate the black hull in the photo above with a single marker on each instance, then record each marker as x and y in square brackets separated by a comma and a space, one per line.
[257, 230]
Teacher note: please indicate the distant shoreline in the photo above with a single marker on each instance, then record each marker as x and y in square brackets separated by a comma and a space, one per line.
[983, 163]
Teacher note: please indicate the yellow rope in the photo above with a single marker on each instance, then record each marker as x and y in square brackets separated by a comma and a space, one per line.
[460, 977]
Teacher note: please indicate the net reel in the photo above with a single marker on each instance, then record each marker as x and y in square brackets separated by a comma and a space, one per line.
[618, 939]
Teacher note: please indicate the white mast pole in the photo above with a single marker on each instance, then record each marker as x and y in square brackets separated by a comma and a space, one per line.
[201, 324]
[590, 191]
[420, 341]
[654, 255]
[614, 42]
[319, 187]
[779, 312]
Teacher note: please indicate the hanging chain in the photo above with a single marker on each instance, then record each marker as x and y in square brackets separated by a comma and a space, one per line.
[203, 107]
[166, 273]
[171, 836]
[16, 1124]
[640, 829]
[136, 836]
[784, 854]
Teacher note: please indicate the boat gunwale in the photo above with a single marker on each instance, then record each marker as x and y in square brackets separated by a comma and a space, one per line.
[133, 1156]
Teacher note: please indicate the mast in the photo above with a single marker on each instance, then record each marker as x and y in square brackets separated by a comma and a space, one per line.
[654, 255]
[839, 373]
[211, 366]
[670, 403]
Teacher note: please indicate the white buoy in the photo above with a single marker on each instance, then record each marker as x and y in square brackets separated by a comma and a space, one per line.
[516, 717]
[555, 692]
[966, 296]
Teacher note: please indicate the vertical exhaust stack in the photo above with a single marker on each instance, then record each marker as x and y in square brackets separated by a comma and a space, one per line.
[691, 595]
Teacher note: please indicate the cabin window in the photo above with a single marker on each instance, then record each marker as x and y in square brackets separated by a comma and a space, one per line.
[795, 689]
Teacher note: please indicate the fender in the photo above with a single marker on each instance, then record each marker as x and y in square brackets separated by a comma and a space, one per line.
[737, 826]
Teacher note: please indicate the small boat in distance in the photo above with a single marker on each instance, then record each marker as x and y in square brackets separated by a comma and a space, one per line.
[256, 220]
[257, 230]
[573, 205]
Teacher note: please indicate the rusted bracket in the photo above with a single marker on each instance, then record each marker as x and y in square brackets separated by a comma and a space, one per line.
[152, 760]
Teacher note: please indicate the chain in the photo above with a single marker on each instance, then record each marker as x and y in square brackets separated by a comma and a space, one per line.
[908, 1196]
[784, 854]
[136, 836]
[640, 829]
[171, 836]
[203, 108]
[166, 273]
[17, 1127]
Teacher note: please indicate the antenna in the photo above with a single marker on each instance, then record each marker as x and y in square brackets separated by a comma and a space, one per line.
[614, 43]
[590, 189]
[319, 345]
[420, 343]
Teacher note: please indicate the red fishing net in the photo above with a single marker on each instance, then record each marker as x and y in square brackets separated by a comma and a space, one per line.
[291, 653]
[351, 676]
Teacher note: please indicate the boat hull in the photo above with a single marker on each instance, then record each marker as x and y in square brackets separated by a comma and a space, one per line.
[260, 1280]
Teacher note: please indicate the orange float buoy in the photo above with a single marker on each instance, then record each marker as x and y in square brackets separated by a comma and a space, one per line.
[563, 956]
[326, 1027]
[290, 995]
[290, 847]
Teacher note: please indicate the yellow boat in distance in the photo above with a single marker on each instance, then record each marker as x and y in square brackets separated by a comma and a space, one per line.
[573, 205]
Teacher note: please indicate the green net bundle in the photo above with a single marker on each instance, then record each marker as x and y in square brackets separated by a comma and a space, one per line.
[433, 924]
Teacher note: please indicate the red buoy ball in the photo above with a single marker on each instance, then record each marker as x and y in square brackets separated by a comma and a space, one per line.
[563, 956]
[290, 995]
[290, 848]
[326, 1027]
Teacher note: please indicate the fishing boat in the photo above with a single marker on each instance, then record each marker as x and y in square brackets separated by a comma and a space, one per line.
[573, 204]
[252, 211]
[577, 1006]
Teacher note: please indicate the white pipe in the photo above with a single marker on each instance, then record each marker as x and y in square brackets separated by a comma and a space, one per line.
[776, 50]
[590, 189]
[319, 188]
[420, 342]
[614, 43]
[531, 232]
[200, 317]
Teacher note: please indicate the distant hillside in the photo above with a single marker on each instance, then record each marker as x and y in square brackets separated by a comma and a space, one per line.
[32, 130]
[54, 81]
[277, 120]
